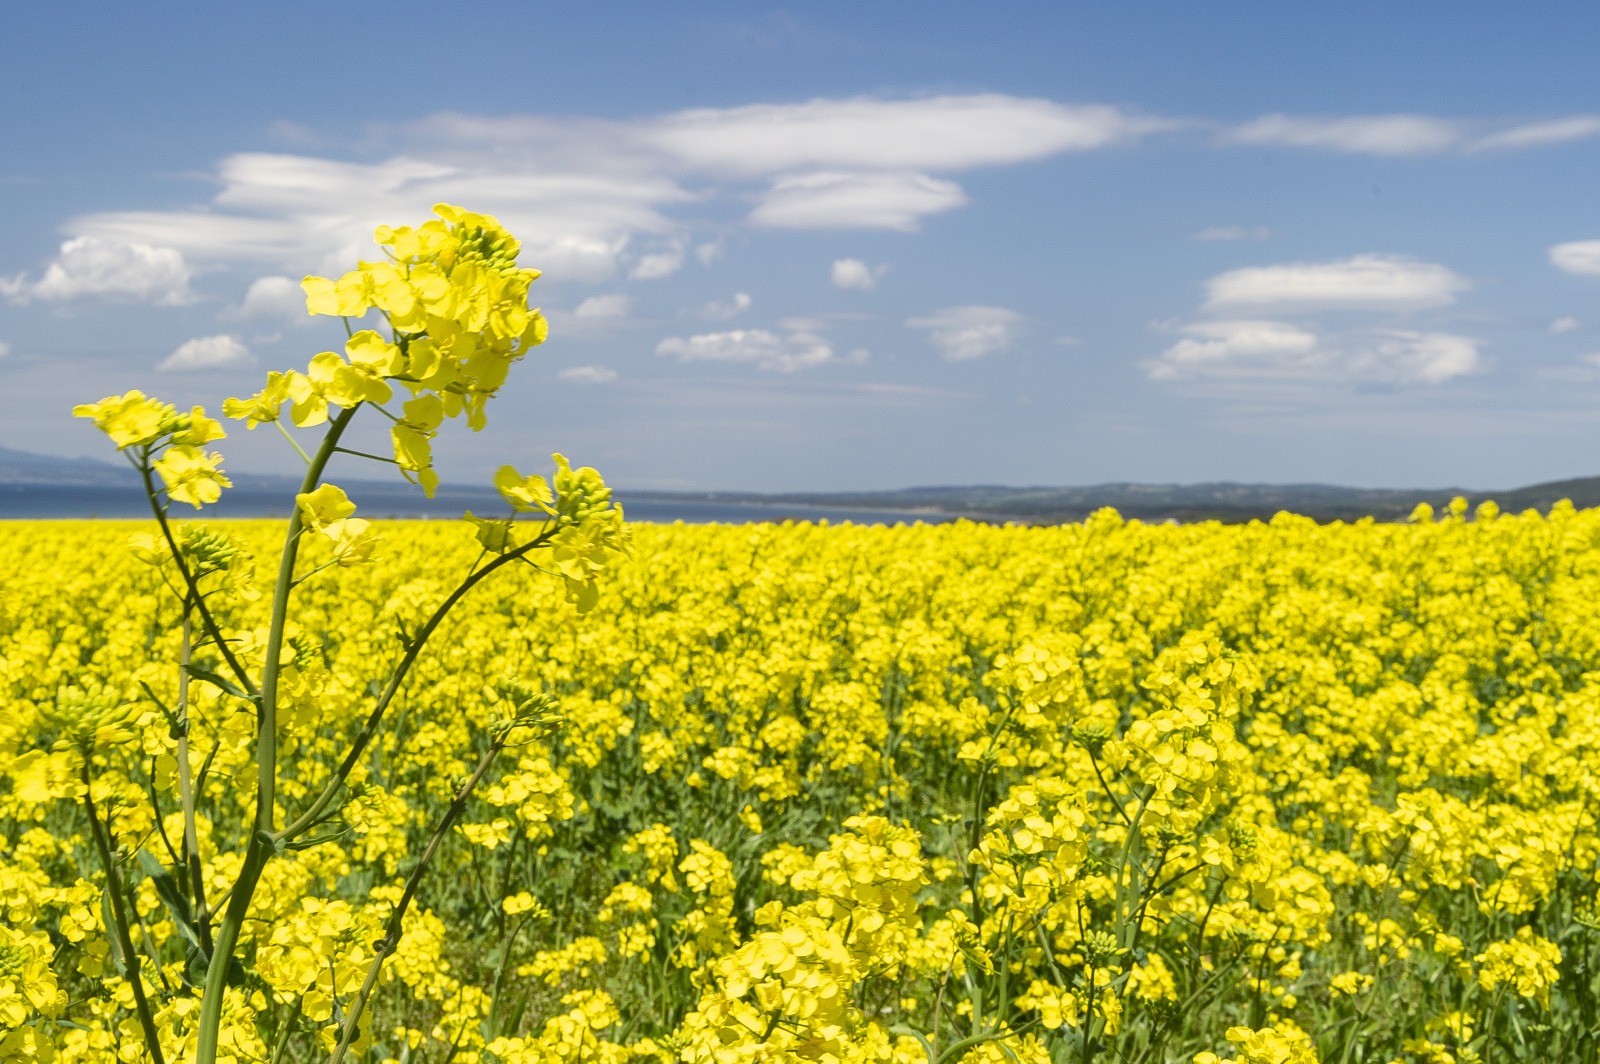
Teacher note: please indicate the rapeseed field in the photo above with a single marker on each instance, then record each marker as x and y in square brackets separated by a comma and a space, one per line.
[1102, 792]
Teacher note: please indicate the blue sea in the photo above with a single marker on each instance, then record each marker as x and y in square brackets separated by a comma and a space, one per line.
[47, 501]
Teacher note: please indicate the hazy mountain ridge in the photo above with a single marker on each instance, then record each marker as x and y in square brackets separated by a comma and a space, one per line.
[96, 481]
[1225, 501]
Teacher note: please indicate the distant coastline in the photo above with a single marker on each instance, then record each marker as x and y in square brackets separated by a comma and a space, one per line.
[42, 487]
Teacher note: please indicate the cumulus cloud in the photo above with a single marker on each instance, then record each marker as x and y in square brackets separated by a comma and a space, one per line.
[837, 200]
[604, 308]
[1211, 346]
[1563, 325]
[206, 353]
[797, 348]
[1233, 232]
[272, 298]
[1256, 349]
[1371, 281]
[89, 267]
[965, 333]
[855, 274]
[657, 264]
[1426, 357]
[588, 374]
[718, 310]
[1578, 256]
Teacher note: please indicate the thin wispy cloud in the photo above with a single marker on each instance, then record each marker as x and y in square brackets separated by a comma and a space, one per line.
[597, 198]
[965, 333]
[722, 310]
[794, 349]
[1398, 135]
[1232, 232]
[612, 306]
[1363, 281]
[588, 374]
[1255, 350]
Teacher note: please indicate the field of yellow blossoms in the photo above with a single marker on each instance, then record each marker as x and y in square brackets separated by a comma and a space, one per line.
[1110, 791]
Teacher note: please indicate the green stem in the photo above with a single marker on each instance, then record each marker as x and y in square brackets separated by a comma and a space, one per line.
[364, 454]
[191, 582]
[288, 1029]
[119, 917]
[262, 845]
[267, 740]
[191, 836]
[413, 649]
[391, 936]
[301, 451]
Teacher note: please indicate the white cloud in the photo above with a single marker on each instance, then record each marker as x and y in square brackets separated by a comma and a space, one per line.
[657, 265]
[1539, 134]
[1233, 232]
[1578, 256]
[1215, 345]
[91, 267]
[586, 193]
[708, 252]
[580, 191]
[1401, 134]
[1426, 357]
[799, 349]
[302, 213]
[837, 200]
[272, 297]
[604, 308]
[207, 352]
[1252, 349]
[1374, 281]
[965, 333]
[1563, 325]
[5, 349]
[939, 133]
[719, 311]
[1357, 134]
[855, 274]
[588, 374]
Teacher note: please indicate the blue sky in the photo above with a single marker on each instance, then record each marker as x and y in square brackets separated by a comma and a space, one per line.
[840, 246]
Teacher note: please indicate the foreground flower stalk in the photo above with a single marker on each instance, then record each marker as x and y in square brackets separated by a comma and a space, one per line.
[454, 304]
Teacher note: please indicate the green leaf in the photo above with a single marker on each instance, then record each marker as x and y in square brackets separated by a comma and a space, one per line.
[176, 901]
[221, 683]
[196, 963]
[109, 920]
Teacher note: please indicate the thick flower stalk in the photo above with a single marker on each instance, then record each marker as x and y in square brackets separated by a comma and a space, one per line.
[452, 314]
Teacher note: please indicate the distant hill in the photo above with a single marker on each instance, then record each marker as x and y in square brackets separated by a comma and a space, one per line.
[35, 485]
[25, 467]
[1176, 502]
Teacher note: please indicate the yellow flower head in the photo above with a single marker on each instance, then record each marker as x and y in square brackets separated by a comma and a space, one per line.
[129, 419]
